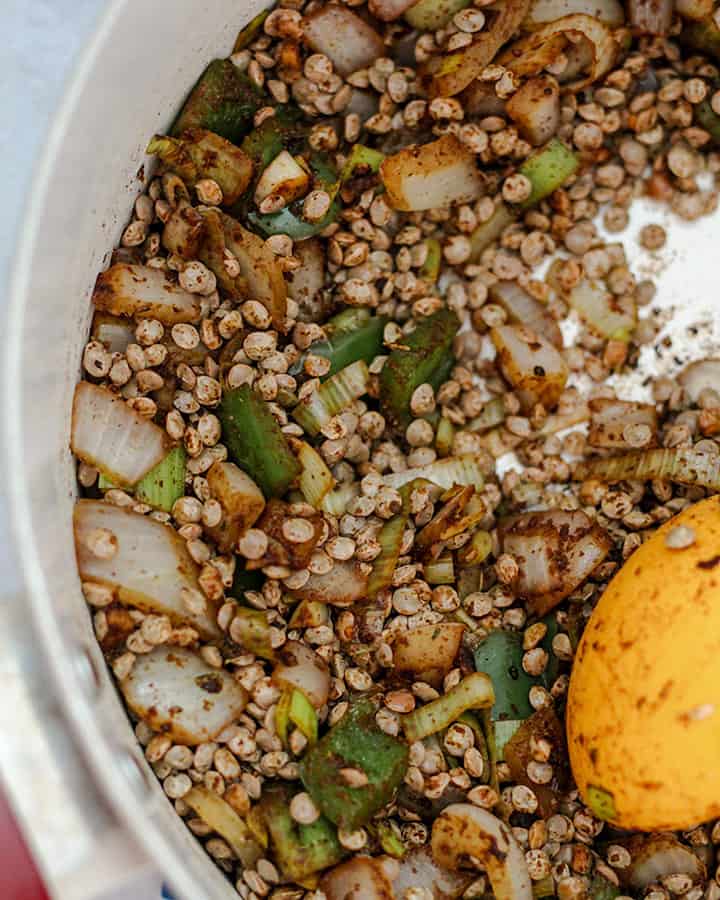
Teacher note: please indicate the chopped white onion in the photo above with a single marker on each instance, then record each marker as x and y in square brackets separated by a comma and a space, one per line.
[543, 12]
[113, 332]
[531, 364]
[343, 37]
[222, 818]
[343, 585]
[609, 419]
[700, 376]
[530, 55]
[462, 831]
[418, 868]
[110, 435]
[285, 177]
[300, 667]
[361, 878]
[176, 692]
[601, 310]
[657, 855]
[143, 292]
[432, 175]
[427, 651]
[555, 551]
[151, 568]
[535, 109]
[241, 500]
[523, 309]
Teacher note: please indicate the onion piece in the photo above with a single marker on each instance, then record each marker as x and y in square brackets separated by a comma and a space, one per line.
[184, 231]
[241, 500]
[530, 55]
[694, 9]
[601, 311]
[316, 480]
[451, 74]
[432, 175]
[389, 10]
[609, 418]
[305, 283]
[361, 877]
[336, 501]
[555, 551]
[284, 177]
[650, 16]
[222, 818]
[475, 691]
[110, 435]
[684, 465]
[343, 37]
[176, 692]
[523, 309]
[390, 539]
[480, 99]
[561, 421]
[465, 469]
[427, 652]
[145, 293]
[656, 855]
[535, 109]
[300, 667]
[151, 568]
[419, 868]
[543, 12]
[700, 376]
[343, 585]
[113, 332]
[531, 364]
[462, 831]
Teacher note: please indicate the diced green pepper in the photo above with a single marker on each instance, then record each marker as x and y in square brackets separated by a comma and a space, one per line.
[300, 850]
[255, 441]
[201, 154]
[427, 358]
[354, 742]
[223, 100]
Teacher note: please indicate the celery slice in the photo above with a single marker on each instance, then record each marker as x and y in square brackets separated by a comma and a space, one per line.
[475, 691]
[162, 486]
[332, 397]
[440, 570]
[315, 479]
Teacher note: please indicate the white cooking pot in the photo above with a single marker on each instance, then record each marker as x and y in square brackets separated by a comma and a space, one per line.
[143, 59]
[129, 84]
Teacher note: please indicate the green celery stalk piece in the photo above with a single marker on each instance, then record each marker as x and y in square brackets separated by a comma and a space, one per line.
[302, 714]
[253, 28]
[355, 742]
[223, 100]
[430, 269]
[164, 484]
[347, 321]
[255, 441]
[300, 850]
[389, 841]
[548, 169]
[202, 154]
[361, 157]
[345, 347]
[428, 358]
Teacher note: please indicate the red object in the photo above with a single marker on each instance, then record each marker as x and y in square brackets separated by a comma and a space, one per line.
[19, 876]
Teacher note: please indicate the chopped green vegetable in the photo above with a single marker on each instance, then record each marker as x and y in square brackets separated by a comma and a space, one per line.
[255, 441]
[601, 888]
[440, 570]
[162, 486]
[295, 708]
[430, 269]
[477, 550]
[601, 802]
[345, 346]
[475, 691]
[444, 437]
[354, 742]
[336, 501]
[390, 841]
[300, 850]
[426, 357]
[224, 101]
[390, 539]
[545, 887]
[283, 131]
[547, 170]
[254, 632]
[254, 27]
[471, 720]
[309, 614]
[492, 414]
[201, 154]
[362, 160]
[315, 479]
[332, 397]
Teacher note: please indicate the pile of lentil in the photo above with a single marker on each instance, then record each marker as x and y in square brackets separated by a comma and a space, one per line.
[635, 133]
